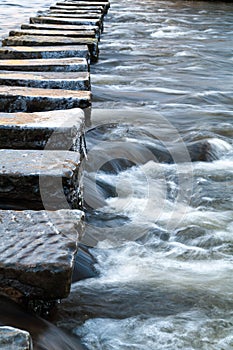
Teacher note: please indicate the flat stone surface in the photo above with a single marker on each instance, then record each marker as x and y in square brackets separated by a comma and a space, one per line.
[33, 179]
[77, 10]
[44, 52]
[44, 26]
[58, 130]
[14, 339]
[79, 7]
[47, 80]
[36, 40]
[76, 15]
[37, 250]
[61, 20]
[59, 32]
[24, 99]
[46, 65]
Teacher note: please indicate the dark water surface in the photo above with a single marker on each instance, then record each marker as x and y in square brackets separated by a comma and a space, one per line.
[160, 209]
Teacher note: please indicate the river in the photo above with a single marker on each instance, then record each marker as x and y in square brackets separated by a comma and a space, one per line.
[159, 211]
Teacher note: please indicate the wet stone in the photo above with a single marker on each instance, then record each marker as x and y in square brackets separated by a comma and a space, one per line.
[75, 15]
[37, 251]
[55, 130]
[25, 99]
[105, 4]
[47, 80]
[31, 179]
[36, 40]
[46, 65]
[65, 20]
[79, 7]
[14, 338]
[74, 34]
[44, 52]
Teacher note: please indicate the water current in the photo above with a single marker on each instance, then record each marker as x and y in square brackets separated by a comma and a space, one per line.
[158, 179]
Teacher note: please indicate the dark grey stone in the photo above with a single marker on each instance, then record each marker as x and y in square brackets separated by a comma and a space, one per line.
[24, 99]
[58, 130]
[31, 179]
[36, 40]
[14, 339]
[58, 32]
[37, 252]
[46, 65]
[47, 80]
[45, 52]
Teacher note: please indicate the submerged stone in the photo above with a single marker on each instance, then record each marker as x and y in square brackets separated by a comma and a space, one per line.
[14, 338]
[61, 129]
[46, 65]
[31, 179]
[36, 40]
[37, 250]
[44, 52]
[47, 80]
[25, 99]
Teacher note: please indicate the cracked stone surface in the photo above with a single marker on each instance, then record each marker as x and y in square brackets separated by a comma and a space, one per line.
[44, 52]
[25, 99]
[47, 80]
[46, 65]
[14, 338]
[37, 251]
[55, 130]
[33, 179]
[37, 40]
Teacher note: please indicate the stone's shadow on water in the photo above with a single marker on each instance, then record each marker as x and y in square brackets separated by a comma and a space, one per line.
[45, 335]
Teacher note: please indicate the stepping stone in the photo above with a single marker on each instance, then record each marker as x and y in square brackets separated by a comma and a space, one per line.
[14, 338]
[25, 99]
[37, 252]
[44, 52]
[37, 40]
[76, 15]
[47, 80]
[46, 65]
[63, 28]
[57, 130]
[61, 20]
[85, 3]
[74, 34]
[80, 8]
[34, 179]
[77, 10]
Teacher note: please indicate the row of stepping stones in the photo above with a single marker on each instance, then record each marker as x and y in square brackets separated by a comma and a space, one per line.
[45, 100]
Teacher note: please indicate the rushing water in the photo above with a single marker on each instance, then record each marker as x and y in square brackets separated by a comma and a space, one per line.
[160, 210]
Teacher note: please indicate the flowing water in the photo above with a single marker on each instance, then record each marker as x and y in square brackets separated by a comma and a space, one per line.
[159, 181]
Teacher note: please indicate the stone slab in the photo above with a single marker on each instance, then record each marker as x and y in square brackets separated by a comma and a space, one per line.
[14, 339]
[37, 251]
[77, 10]
[75, 15]
[79, 7]
[63, 28]
[44, 52]
[33, 179]
[47, 80]
[58, 130]
[58, 32]
[46, 65]
[61, 20]
[36, 40]
[25, 99]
